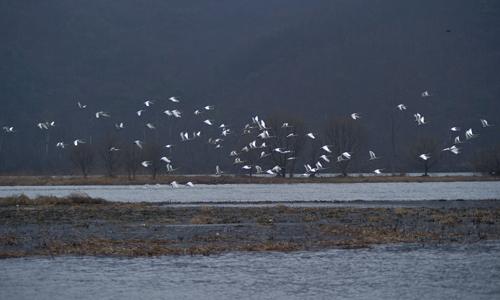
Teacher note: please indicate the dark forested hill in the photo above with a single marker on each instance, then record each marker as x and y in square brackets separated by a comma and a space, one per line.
[309, 59]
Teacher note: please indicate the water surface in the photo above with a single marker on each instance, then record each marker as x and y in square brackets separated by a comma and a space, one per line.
[274, 192]
[384, 272]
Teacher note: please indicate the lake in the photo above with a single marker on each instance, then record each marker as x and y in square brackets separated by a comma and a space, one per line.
[383, 272]
[274, 192]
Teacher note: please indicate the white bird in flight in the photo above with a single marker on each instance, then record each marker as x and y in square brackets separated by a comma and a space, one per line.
[81, 106]
[419, 119]
[166, 159]
[326, 148]
[401, 107]
[325, 158]
[485, 123]
[469, 134]
[355, 116]
[377, 171]
[425, 156]
[218, 171]
[174, 99]
[138, 143]
[148, 103]
[8, 129]
[311, 135]
[150, 126]
[102, 114]
[146, 164]
[453, 149]
[425, 94]
[78, 142]
[455, 129]
[372, 155]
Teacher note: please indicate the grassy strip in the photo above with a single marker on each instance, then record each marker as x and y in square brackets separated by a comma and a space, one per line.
[123, 180]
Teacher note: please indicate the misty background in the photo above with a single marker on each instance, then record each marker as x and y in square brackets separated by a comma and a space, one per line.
[312, 60]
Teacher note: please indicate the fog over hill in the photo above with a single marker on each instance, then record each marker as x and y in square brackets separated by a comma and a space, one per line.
[315, 60]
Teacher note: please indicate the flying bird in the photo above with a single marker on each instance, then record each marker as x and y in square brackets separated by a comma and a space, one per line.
[102, 114]
[81, 106]
[146, 163]
[372, 155]
[377, 171]
[148, 103]
[419, 119]
[139, 143]
[355, 116]
[61, 145]
[218, 171]
[174, 99]
[401, 107]
[325, 158]
[425, 156]
[455, 129]
[453, 149]
[485, 123]
[165, 159]
[78, 142]
[326, 148]
[150, 126]
[469, 134]
[8, 129]
[311, 135]
[425, 94]
[120, 125]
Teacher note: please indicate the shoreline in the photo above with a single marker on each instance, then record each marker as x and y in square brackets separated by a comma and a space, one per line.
[212, 180]
[50, 226]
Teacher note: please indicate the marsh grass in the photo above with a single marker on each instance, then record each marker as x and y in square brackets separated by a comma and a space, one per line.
[74, 199]
[205, 179]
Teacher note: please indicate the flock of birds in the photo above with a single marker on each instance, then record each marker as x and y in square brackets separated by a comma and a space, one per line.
[263, 134]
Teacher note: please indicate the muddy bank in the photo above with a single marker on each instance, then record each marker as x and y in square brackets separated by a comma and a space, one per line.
[80, 226]
[204, 179]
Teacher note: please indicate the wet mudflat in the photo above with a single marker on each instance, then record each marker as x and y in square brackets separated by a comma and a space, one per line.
[51, 226]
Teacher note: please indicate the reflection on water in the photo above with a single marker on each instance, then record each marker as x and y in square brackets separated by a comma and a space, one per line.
[275, 192]
[384, 272]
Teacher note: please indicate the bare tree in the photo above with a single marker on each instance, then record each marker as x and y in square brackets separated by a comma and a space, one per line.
[152, 153]
[487, 161]
[132, 157]
[343, 135]
[428, 146]
[110, 153]
[82, 156]
[289, 135]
